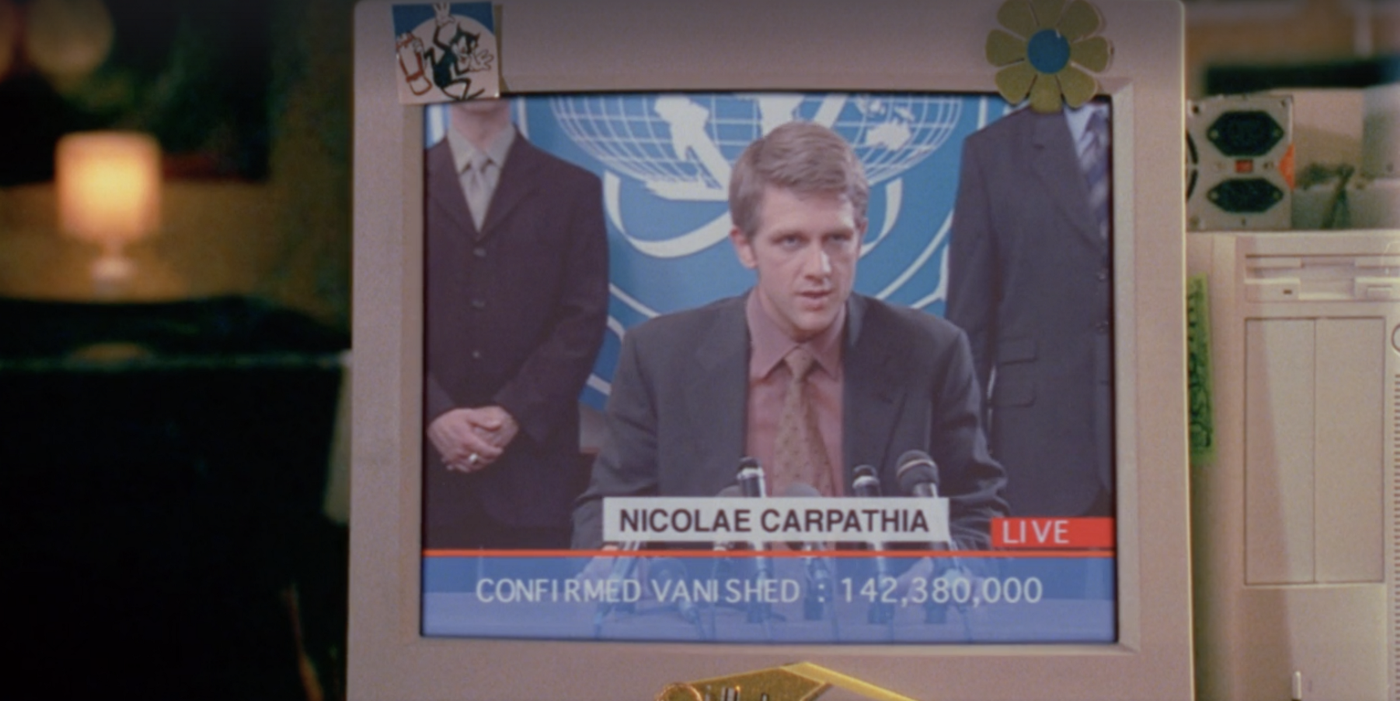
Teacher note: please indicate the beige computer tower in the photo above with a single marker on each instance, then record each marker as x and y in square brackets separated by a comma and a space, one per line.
[1295, 520]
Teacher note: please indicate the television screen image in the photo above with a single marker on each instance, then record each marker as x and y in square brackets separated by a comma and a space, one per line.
[910, 406]
[1031, 569]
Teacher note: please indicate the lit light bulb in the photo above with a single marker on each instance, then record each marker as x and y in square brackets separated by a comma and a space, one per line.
[109, 193]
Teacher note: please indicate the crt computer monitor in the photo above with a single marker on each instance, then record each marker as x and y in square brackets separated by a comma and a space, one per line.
[560, 62]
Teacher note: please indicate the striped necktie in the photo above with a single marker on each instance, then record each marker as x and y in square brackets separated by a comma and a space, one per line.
[1093, 161]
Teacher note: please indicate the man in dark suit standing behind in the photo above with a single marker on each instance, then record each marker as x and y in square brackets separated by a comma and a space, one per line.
[517, 294]
[1030, 281]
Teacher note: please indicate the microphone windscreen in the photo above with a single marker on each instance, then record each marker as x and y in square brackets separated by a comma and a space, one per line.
[915, 467]
[750, 478]
[866, 484]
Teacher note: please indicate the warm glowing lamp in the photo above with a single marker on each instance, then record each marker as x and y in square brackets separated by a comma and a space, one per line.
[109, 194]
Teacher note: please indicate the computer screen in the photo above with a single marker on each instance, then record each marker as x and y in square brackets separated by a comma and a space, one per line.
[1075, 585]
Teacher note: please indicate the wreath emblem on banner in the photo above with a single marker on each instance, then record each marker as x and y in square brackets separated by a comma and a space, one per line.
[1047, 51]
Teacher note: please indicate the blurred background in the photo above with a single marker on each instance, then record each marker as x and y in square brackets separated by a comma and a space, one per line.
[171, 377]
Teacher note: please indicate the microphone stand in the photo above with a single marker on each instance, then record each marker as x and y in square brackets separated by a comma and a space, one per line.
[819, 586]
[938, 613]
[819, 601]
[751, 482]
[881, 611]
[621, 567]
[761, 611]
[673, 571]
[866, 484]
[723, 565]
[917, 474]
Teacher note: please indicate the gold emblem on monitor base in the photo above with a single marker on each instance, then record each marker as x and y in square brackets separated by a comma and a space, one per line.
[803, 681]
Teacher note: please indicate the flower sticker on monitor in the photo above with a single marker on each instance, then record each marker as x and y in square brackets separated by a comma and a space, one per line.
[1048, 52]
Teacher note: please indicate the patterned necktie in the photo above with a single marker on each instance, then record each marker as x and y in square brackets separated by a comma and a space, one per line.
[1093, 161]
[799, 454]
[478, 189]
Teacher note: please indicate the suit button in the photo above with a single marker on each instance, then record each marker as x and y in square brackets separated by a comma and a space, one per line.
[478, 304]
[479, 252]
[476, 355]
[1103, 276]
[1101, 327]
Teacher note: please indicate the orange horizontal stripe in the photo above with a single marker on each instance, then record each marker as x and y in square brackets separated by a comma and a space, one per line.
[1019, 554]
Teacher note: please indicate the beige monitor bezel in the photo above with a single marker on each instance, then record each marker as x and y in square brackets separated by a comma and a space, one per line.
[564, 46]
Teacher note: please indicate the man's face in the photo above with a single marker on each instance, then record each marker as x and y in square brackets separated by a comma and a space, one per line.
[805, 253]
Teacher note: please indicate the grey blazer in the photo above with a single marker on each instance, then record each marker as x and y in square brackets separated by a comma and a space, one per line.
[676, 416]
[1030, 281]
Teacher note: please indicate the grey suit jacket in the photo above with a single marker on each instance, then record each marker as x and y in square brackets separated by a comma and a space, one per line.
[1030, 281]
[516, 314]
[676, 416]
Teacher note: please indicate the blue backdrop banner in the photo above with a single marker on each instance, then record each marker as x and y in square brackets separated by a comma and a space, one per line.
[665, 159]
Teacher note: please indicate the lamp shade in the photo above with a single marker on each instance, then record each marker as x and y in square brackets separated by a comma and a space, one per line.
[108, 186]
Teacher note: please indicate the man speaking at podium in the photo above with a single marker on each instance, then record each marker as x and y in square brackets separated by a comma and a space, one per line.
[799, 373]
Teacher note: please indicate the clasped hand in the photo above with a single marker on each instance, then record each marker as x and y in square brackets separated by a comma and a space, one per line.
[471, 439]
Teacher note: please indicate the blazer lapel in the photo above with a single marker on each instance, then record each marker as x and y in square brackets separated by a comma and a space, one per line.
[1057, 166]
[445, 189]
[518, 180]
[717, 394]
[874, 393]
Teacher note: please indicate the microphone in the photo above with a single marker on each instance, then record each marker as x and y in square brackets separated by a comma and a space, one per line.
[732, 490]
[801, 489]
[721, 566]
[622, 565]
[751, 483]
[820, 583]
[866, 484]
[917, 474]
[750, 478]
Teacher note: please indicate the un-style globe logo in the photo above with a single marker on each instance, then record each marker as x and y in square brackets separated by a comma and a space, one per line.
[682, 146]
[665, 162]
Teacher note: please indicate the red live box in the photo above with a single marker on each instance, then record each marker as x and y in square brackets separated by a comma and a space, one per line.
[1048, 532]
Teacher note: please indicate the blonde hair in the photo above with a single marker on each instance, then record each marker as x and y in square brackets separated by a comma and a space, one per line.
[803, 157]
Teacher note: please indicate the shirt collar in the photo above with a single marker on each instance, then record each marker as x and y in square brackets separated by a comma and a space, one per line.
[769, 345]
[463, 152]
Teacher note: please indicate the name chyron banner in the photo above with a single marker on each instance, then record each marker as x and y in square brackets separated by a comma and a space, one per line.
[790, 519]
